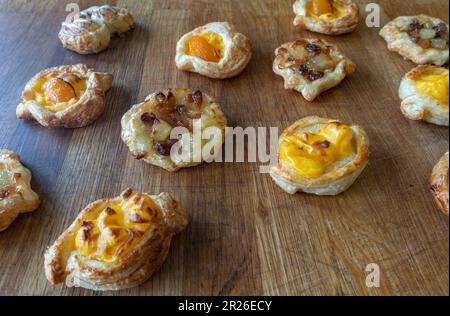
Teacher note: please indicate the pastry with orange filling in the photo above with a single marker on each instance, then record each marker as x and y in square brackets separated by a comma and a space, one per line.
[320, 156]
[116, 243]
[332, 17]
[214, 50]
[66, 96]
[421, 39]
[439, 183]
[16, 195]
[424, 92]
[311, 66]
[148, 127]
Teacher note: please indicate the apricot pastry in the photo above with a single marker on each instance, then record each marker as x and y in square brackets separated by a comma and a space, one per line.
[311, 66]
[422, 39]
[424, 92]
[320, 156]
[16, 195]
[214, 50]
[115, 243]
[439, 183]
[147, 127]
[65, 96]
[332, 17]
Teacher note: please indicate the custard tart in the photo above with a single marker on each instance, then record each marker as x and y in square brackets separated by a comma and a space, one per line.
[311, 66]
[320, 156]
[421, 39]
[215, 50]
[16, 195]
[424, 93]
[439, 183]
[66, 96]
[148, 127]
[115, 243]
[332, 17]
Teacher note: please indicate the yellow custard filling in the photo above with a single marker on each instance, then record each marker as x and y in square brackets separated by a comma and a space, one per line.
[324, 10]
[310, 154]
[118, 229]
[57, 92]
[207, 46]
[435, 85]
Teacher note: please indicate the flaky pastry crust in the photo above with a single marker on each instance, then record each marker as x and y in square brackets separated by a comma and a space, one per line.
[63, 262]
[286, 65]
[237, 52]
[420, 106]
[140, 125]
[89, 106]
[16, 195]
[439, 183]
[395, 33]
[118, 20]
[339, 177]
[346, 23]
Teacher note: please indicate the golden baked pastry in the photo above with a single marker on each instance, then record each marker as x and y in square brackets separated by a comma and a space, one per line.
[439, 183]
[16, 195]
[118, 20]
[214, 50]
[115, 243]
[330, 17]
[147, 126]
[311, 66]
[91, 30]
[320, 156]
[424, 93]
[421, 38]
[66, 96]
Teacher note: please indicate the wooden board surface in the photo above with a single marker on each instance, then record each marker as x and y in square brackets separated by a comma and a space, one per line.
[246, 236]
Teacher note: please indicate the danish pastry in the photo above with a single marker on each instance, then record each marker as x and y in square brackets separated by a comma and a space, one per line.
[147, 126]
[214, 50]
[332, 17]
[422, 39]
[66, 96]
[320, 156]
[424, 93]
[439, 183]
[16, 195]
[91, 30]
[311, 66]
[115, 243]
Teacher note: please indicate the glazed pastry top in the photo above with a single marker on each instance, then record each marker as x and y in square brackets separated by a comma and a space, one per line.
[425, 32]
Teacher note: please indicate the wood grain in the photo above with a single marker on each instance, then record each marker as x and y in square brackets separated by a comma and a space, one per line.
[246, 237]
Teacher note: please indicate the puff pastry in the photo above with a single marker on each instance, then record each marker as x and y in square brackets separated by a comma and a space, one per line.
[311, 66]
[91, 30]
[424, 93]
[421, 38]
[214, 50]
[320, 156]
[147, 126]
[115, 243]
[66, 96]
[16, 195]
[439, 183]
[332, 17]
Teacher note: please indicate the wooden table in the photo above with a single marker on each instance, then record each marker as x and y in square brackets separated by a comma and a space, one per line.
[246, 236]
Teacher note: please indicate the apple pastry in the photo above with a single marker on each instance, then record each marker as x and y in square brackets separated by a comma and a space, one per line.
[332, 17]
[118, 20]
[66, 96]
[439, 183]
[424, 93]
[320, 156]
[311, 66]
[214, 50]
[16, 195]
[147, 127]
[115, 243]
[422, 39]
